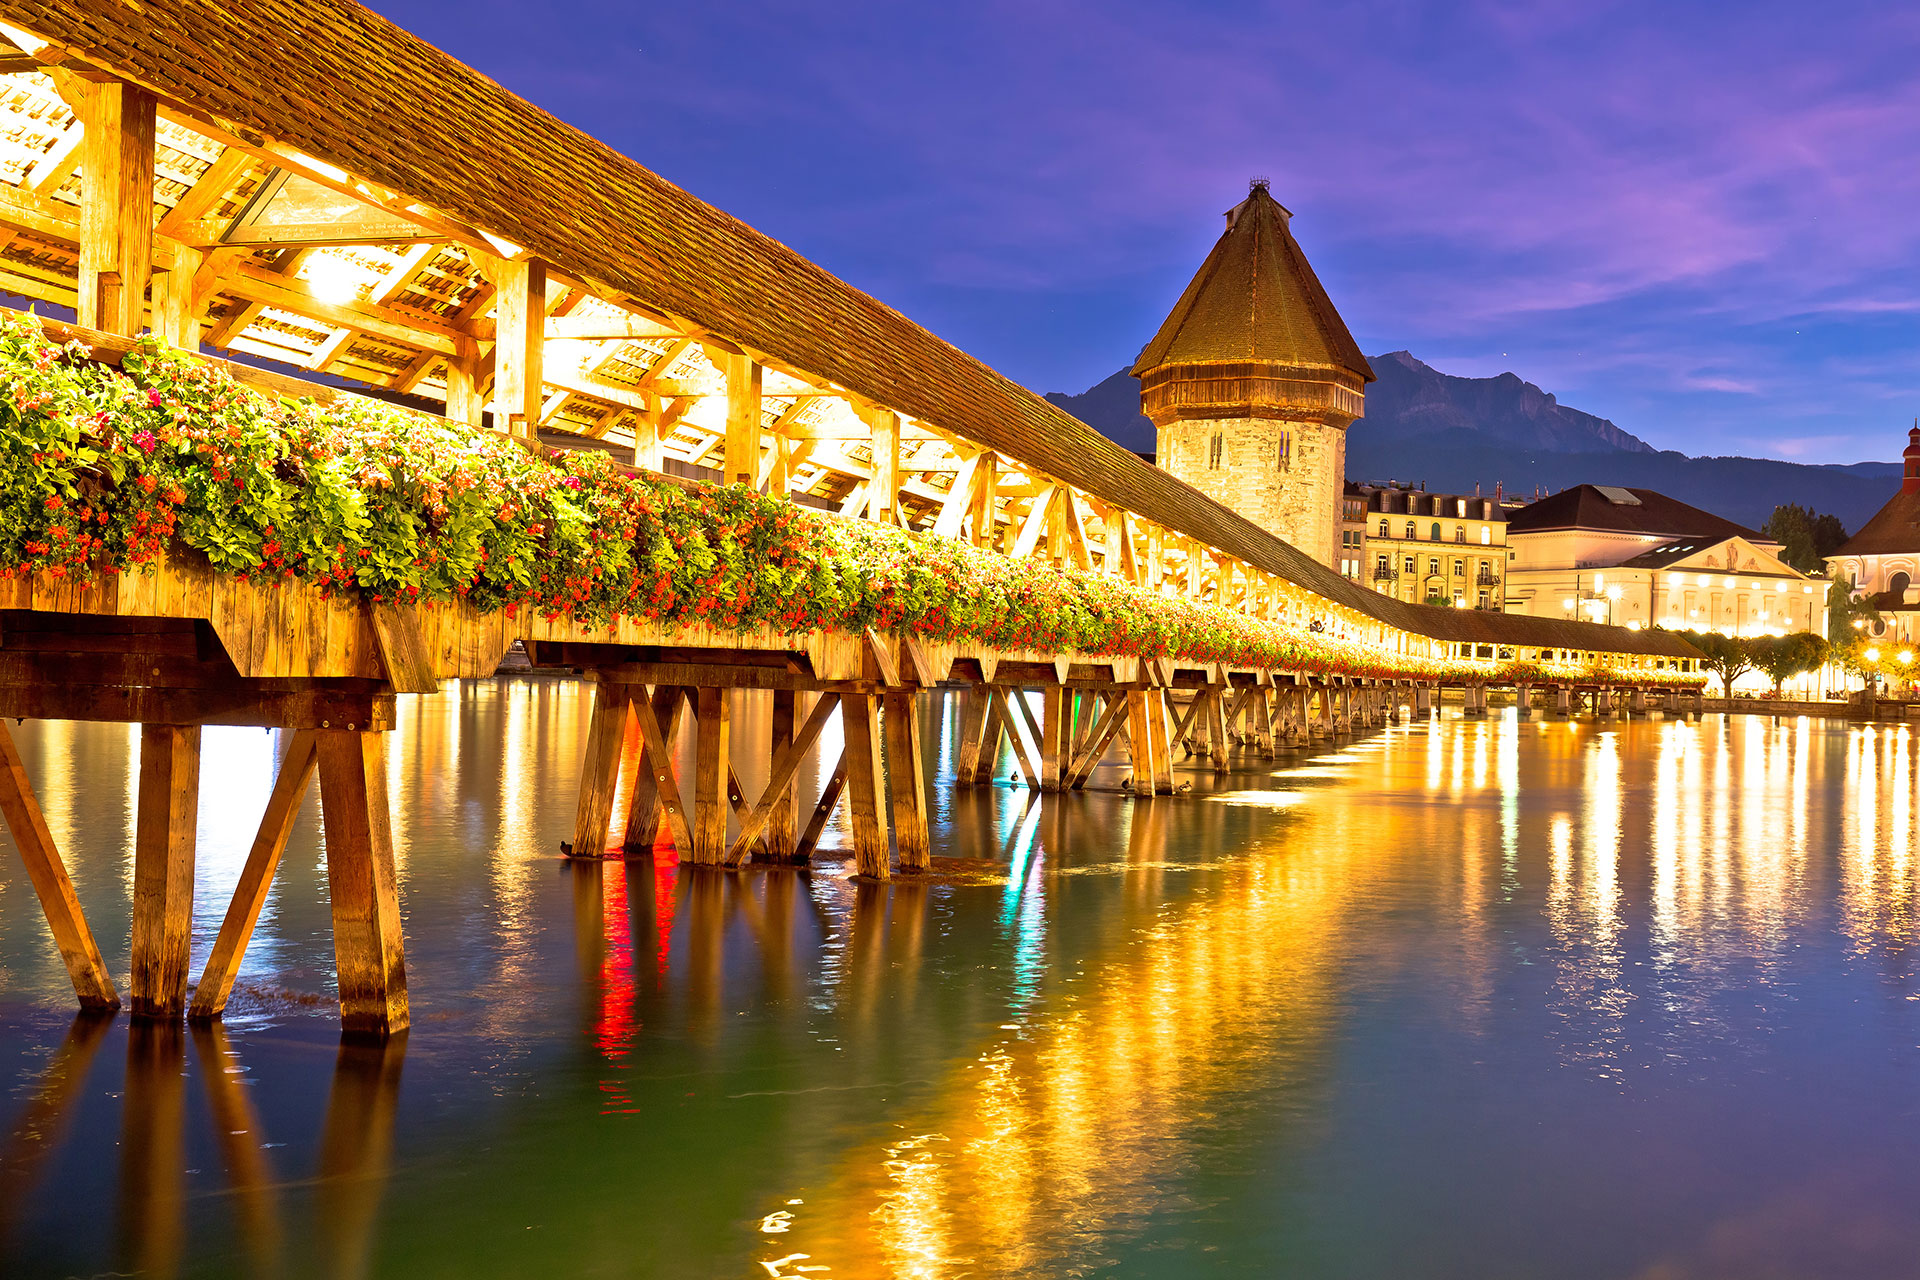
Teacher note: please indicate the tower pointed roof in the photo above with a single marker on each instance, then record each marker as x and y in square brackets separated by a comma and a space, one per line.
[1255, 299]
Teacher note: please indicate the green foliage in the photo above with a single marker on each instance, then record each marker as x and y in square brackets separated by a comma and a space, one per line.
[1843, 610]
[1728, 657]
[103, 470]
[1783, 657]
[1808, 537]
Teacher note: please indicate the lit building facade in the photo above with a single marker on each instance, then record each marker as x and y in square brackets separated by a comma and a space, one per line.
[1637, 558]
[1427, 548]
[1881, 563]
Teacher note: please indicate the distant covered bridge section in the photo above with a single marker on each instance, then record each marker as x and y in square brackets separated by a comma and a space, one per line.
[307, 184]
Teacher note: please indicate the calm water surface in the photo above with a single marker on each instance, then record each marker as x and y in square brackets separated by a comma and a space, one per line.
[1460, 999]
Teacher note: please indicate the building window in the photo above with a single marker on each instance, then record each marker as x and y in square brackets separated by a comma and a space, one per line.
[1486, 535]
[1483, 599]
[1459, 568]
[1433, 565]
[1413, 566]
[1286, 450]
[1436, 531]
[1383, 568]
[1216, 447]
[1413, 531]
[1383, 530]
[1459, 534]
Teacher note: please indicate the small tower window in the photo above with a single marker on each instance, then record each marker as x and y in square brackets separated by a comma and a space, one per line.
[1286, 451]
[1215, 448]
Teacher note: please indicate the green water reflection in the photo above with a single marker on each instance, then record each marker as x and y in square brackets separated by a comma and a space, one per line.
[1460, 999]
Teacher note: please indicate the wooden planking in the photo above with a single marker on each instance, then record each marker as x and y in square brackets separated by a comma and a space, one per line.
[369, 952]
[256, 877]
[163, 855]
[402, 647]
[21, 808]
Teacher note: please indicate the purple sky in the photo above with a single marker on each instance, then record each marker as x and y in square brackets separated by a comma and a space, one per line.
[1701, 221]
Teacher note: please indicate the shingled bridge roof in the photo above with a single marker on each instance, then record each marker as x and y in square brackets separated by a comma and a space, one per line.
[340, 84]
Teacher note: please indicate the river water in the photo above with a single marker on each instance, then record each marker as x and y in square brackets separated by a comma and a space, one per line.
[1459, 999]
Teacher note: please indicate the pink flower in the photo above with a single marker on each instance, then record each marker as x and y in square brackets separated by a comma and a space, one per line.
[153, 399]
[144, 441]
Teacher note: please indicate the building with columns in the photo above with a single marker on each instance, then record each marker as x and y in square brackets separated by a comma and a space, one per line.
[1637, 558]
[1881, 563]
[1253, 379]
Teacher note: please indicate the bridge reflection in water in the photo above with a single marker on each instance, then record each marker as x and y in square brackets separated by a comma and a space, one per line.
[1225, 1028]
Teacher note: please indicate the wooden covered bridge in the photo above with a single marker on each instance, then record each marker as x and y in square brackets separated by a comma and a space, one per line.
[378, 219]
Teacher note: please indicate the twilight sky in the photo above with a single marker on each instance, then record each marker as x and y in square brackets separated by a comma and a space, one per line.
[1701, 221]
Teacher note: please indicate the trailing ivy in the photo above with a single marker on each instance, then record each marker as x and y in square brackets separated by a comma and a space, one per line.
[105, 469]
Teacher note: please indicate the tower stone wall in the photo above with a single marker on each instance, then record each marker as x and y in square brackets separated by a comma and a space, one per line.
[1285, 476]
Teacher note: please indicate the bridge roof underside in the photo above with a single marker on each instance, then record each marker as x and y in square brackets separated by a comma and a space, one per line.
[329, 81]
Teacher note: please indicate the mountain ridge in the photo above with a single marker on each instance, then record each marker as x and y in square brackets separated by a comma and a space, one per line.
[1455, 433]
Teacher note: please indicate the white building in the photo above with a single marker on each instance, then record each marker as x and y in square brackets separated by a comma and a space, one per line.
[1637, 558]
[1882, 562]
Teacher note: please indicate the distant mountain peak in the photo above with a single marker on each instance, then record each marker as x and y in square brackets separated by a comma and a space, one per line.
[1413, 399]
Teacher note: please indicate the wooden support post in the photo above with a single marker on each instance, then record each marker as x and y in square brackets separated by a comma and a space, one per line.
[975, 715]
[369, 954]
[1004, 702]
[176, 317]
[884, 497]
[91, 982]
[860, 728]
[666, 704]
[779, 791]
[783, 816]
[520, 307]
[1054, 749]
[169, 810]
[656, 790]
[1260, 712]
[1162, 748]
[829, 797]
[907, 779]
[1140, 741]
[464, 401]
[600, 772]
[1217, 726]
[116, 205]
[744, 380]
[1119, 710]
[711, 807]
[256, 877]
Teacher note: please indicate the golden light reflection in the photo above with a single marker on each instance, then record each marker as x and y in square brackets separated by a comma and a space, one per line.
[1056, 1136]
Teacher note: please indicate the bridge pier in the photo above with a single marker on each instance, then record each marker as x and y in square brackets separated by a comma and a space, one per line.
[1603, 703]
[1523, 701]
[162, 674]
[1637, 700]
[1562, 702]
